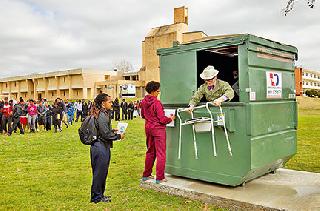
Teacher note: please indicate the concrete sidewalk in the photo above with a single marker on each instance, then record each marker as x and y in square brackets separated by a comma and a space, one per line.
[284, 190]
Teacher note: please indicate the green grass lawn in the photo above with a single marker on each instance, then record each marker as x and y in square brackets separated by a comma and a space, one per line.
[52, 171]
[308, 144]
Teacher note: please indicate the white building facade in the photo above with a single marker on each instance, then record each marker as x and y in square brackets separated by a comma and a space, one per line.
[310, 79]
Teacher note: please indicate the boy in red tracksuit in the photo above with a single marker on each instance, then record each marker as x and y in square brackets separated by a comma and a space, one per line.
[155, 128]
[7, 115]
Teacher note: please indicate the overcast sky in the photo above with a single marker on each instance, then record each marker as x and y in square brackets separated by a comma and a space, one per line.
[51, 35]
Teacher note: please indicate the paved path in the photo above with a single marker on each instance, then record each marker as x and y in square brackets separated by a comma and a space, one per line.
[284, 190]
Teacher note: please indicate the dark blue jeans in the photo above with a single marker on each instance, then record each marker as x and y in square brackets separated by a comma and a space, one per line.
[100, 160]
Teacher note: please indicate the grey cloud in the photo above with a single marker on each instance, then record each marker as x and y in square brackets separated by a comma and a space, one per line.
[46, 35]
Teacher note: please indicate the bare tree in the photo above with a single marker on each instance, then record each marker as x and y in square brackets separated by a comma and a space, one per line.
[290, 5]
[123, 66]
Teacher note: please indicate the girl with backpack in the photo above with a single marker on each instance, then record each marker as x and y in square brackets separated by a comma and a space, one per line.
[100, 149]
[56, 117]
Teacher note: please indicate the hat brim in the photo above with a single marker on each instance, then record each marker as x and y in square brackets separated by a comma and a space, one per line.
[208, 77]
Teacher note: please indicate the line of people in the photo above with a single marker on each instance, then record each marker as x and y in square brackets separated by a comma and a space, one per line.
[128, 110]
[42, 115]
[38, 115]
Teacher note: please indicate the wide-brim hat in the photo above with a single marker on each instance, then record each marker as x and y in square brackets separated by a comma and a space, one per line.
[209, 73]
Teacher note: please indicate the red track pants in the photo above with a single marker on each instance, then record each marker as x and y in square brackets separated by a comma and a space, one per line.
[156, 143]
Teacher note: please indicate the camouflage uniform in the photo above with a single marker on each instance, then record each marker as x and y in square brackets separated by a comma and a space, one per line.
[221, 88]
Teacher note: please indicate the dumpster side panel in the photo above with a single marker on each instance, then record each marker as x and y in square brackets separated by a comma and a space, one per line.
[271, 117]
[270, 73]
[258, 84]
[178, 77]
[270, 148]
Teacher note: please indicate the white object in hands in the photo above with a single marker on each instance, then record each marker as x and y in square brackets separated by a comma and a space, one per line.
[122, 126]
[168, 113]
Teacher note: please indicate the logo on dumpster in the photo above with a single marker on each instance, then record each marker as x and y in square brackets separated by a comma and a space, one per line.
[274, 84]
[274, 77]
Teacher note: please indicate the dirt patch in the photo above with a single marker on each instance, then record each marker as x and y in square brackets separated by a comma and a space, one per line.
[308, 103]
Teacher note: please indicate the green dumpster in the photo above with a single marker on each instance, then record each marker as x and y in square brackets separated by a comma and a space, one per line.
[250, 136]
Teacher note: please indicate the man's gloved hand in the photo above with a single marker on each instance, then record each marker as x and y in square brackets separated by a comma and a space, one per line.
[190, 109]
[217, 102]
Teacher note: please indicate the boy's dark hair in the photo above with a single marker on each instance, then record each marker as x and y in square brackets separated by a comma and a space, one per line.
[152, 86]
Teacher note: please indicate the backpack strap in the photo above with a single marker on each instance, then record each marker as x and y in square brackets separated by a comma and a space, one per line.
[96, 124]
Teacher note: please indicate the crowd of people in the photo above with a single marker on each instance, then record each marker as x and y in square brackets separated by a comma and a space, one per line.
[18, 115]
[32, 116]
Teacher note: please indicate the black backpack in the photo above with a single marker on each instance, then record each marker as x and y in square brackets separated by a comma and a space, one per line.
[88, 131]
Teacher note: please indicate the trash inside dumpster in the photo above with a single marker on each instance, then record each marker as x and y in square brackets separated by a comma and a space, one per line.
[249, 136]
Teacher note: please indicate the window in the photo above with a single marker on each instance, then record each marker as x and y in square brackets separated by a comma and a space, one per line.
[306, 74]
[307, 83]
[302, 82]
[15, 84]
[64, 79]
[52, 94]
[6, 85]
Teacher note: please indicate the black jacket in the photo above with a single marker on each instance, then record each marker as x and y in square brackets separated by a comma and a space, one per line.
[124, 106]
[105, 132]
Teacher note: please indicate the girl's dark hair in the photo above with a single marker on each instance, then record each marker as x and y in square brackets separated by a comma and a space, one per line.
[152, 86]
[97, 105]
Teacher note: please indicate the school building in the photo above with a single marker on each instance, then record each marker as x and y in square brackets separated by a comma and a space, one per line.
[68, 84]
[306, 79]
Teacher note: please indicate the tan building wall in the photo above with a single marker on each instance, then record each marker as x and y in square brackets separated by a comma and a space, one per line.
[164, 37]
[112, 88]
[181, 15]
[192, 36]
[69, 84]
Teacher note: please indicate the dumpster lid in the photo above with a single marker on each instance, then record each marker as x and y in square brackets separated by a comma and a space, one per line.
[228, 40]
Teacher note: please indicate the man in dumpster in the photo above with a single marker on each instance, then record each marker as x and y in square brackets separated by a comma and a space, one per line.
[214, 89]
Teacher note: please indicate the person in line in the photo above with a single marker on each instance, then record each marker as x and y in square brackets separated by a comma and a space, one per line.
[155, 129]
[63, 110]
[124, 108]
[7, 116]
[130, 110]
[135, 109]
[214, 89]
[85, 111]
[116, 109]
[100, 149]
[48, 116]
[23, 117]
[1, 107]
[17, 113]
[41, 110]
[56, 117]
[70, 113]
[32, 115]
[78, 106]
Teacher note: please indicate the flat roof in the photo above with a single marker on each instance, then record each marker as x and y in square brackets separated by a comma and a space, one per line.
[77, 71]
